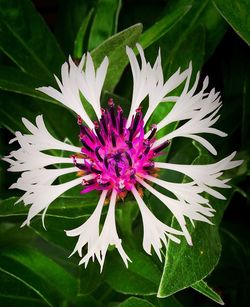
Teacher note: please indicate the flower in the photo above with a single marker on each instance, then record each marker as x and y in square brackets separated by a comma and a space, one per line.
[118, 156]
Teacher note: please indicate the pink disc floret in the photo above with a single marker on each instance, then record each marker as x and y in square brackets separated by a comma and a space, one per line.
[116, 154]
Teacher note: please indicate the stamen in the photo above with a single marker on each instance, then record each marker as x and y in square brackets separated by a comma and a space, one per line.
[105, 184]
[128, 158]
[136, 120]
[81, 166]
[129, 143]
[161, 147]
[98, 133]
[112, 111]
[94, 170]
[104, 125]
[153, 131]
[97, 154]
[87, 146]
[79, 120]
[106, 163]
[85, 130]
[146, 151]
[117, 170]
[113, 139]
[120, 111]
[148, 166]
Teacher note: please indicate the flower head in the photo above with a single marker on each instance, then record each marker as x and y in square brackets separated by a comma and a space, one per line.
[117, 155]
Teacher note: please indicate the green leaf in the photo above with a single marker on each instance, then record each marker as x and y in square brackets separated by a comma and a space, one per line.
[81, 36]
[140, 278]
[38, 272]
[26, 39]
[236, 14]
[202, 287]
[114, 48]
[65, 207]
[70, 19]
[135, 302]
[13, 107]
[14, 80]
[105, 22]
[15, 293]
[161, 27]
[193, 263]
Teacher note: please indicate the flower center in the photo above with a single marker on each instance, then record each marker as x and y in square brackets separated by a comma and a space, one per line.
[116, 154]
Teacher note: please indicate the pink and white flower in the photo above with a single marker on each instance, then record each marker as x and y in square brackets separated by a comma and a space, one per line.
[118, 156]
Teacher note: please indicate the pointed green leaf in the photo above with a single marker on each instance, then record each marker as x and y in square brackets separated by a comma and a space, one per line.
[202, 287]
[140, 278]
[236, 14]
[135, 302]
[105, 22]
[26, 39]
[193, 263]
[161, 27]
[114, 49]
[14, 80]
[38, 272]
[81, 36]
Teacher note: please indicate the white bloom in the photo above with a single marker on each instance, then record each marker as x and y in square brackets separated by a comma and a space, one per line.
[117, 157]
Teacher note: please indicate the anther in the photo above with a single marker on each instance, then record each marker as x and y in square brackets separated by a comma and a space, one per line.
[87, 146]
[97, 131]
[128, 158]
[153, 131]
[105, 184]
[79, 120]
[84, 130]
[148, 166]
[82, 167]
[113, 139]
[97, 154]
[94, 170]
[136, 120]
[104, 125]
[120, 111]
[112, 111]
[117, 170]
[106, 163]
[146, 151]
[161, 147]
[129, 143]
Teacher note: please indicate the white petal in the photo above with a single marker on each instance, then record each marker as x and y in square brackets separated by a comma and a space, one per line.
[205, 176]
[29, 158]
[40, 138]
[154, 230]
[181, 209]
[40, 196]
[89, 232]
[107, 237]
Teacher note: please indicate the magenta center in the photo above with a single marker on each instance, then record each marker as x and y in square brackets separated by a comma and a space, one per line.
[116, 154]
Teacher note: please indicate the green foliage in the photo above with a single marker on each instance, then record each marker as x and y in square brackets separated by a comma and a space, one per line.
[34, 266]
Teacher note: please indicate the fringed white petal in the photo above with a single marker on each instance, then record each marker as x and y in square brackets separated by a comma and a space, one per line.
[181, 209]
[40, 196]
[90, 82]
[40, 138]
[28, 158]
[44, 176]
[140, 89]
[205, 176]
[89, 232]
[187, 192]
[74, 81]
[107, 237]
[157, 89]
[154, 231]
[198, 109]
